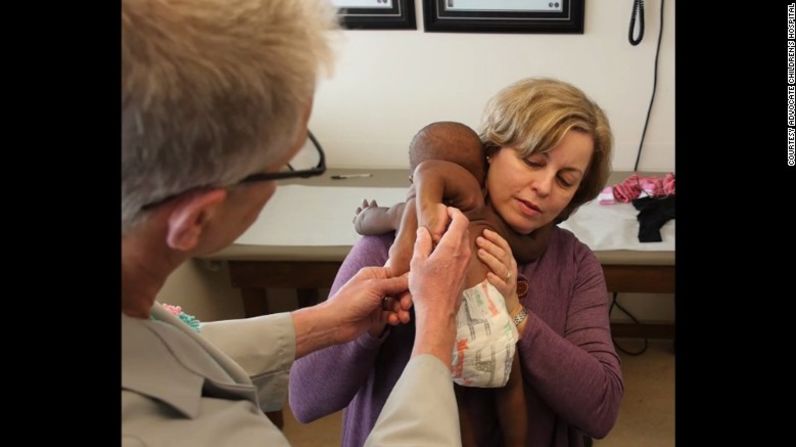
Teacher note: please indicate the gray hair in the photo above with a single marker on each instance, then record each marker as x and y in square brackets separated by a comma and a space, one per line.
[213, 90]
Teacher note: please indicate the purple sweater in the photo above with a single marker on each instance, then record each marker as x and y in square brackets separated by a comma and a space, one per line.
[573, 383]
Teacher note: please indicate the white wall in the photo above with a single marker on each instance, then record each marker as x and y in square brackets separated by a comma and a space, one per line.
[389, 84]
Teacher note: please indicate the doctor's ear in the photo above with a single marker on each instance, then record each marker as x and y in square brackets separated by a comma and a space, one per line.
[189, 218]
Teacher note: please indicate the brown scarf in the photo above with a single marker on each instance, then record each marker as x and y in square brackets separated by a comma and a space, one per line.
[525, 247]
[529, 247]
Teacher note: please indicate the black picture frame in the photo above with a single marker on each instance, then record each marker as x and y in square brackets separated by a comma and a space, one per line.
[395, 14]
[563, 17]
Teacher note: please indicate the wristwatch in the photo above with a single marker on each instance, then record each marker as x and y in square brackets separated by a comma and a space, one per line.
[520, 317]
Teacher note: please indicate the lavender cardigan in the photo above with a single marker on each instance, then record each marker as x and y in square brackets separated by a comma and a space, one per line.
[573, 383]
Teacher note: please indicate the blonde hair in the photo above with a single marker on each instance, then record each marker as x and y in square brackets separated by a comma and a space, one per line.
[213, 90]
[533, 115]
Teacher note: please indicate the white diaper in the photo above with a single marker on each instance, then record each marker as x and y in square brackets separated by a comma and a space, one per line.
[485, 339]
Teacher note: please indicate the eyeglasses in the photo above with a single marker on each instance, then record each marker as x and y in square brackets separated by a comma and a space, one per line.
[308, 162]
[305, 164]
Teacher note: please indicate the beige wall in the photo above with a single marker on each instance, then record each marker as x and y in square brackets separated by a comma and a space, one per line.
[203, 291]
[388, 84]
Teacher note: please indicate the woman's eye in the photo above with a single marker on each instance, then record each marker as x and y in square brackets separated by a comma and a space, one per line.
[565, 182]
[533, 163]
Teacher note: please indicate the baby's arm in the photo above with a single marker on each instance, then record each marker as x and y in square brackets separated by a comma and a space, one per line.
[439, 183]
[372, 219]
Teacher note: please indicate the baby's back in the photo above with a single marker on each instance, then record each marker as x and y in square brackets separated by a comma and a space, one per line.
[482, 218]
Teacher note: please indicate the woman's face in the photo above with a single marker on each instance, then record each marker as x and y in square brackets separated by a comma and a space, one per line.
[530, 192]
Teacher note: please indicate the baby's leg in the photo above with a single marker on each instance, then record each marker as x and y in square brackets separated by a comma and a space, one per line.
[402, 248]
[465, 420]
[372, 219]
[511, 407]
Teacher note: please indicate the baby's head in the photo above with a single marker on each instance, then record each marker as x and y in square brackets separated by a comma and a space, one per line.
[450, 141]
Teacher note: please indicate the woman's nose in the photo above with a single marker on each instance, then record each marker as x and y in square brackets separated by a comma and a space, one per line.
[542, 183]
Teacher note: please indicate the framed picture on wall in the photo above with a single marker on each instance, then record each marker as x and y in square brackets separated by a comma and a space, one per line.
[504, 16]
[376, 14]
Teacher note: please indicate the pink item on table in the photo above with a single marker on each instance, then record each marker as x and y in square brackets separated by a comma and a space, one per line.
[633, 187]
[606, 196]
[627, 190]
[668, 184]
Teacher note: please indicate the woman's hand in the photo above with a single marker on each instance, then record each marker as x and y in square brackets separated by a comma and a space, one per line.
[495, 252]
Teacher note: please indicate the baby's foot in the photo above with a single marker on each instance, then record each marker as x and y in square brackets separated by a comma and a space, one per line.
[370, 219]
